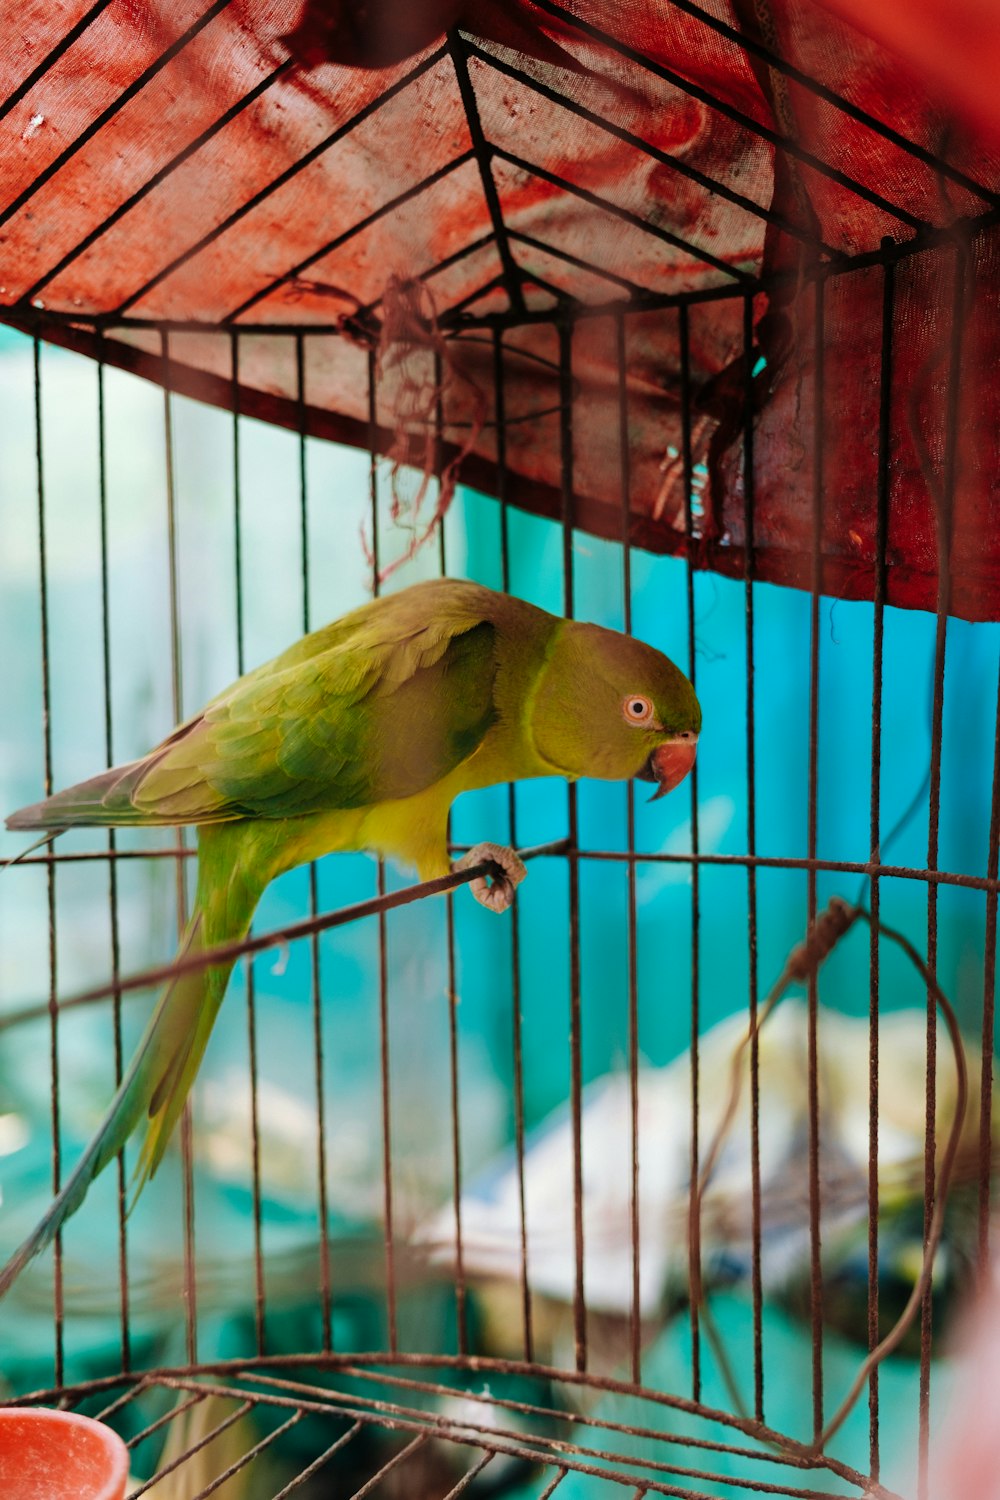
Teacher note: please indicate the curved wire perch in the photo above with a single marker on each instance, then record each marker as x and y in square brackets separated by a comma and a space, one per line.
[829, 928]
[280, 937]
[898, 1331]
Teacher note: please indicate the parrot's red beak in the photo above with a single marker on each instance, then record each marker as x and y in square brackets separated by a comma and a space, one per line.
[670, 763]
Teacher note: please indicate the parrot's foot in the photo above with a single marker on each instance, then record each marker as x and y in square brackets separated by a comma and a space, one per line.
[495, 892]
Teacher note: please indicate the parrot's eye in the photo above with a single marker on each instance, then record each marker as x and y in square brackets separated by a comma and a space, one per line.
[638, 710]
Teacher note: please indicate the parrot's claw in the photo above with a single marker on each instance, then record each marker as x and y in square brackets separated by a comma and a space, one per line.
[495, 892]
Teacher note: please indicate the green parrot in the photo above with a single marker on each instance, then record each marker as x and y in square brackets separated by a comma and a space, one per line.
[360, 736]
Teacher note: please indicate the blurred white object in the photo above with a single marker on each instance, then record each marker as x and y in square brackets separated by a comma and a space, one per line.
[491, 1217]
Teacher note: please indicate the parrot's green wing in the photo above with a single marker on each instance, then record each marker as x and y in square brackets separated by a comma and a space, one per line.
[346, 728]
[378, 706]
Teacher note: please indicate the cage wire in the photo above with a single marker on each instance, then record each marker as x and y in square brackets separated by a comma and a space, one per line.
[503, 399]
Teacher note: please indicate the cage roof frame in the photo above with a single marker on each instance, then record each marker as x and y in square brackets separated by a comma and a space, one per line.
[629, 159]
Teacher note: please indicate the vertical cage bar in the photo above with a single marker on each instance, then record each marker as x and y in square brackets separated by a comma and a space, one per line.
[258, 1256]
[452, 987]
[176, 680]
[176, 683]
[989, 1003]
[438, 456]
[315, 974]
[875, 832]
[383, 946]
[930, 1115]
[575, 1019]
[303, 478]
[944, 501]
[53, 1004]
[456, 1140]
[756, 1284]
[116, 1012]
[624, 481]
[815, 1268]
[234, 355]
[694, 1211]
[500, 415]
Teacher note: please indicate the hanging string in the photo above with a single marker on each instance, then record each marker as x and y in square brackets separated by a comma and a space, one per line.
[415, 366]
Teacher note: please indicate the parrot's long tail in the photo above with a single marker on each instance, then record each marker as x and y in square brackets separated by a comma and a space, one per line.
[157, 1080]
[102, 801]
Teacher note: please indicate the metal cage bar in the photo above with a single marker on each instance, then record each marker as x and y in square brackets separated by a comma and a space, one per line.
[875, 835]
[751, 775]
[177, 696]
[812, 798]
[43, 600]
[500, 418]
[635, 1226]
[382, 905]
[113, 909]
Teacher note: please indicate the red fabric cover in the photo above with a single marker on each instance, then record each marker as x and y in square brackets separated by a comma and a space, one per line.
[252, 182]
[954, 49]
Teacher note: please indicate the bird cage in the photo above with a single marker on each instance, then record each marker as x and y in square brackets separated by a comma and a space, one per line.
[674, 317]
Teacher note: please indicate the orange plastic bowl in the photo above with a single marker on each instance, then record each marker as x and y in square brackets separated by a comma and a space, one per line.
[58, 1455]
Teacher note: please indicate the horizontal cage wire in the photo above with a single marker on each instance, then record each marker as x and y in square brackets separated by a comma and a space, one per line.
[413, 1238]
